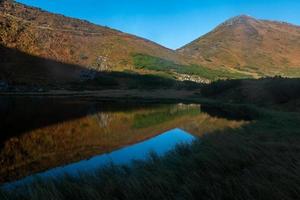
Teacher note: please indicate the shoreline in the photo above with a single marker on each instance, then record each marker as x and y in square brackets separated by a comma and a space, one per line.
[113, 94]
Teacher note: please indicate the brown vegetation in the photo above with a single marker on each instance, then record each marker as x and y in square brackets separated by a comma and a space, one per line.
[72, 41]
[248, 44]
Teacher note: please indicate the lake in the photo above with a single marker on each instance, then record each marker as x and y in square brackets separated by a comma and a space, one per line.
[50, 137]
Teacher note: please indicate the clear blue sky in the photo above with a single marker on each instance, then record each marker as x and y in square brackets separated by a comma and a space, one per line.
[171, 23]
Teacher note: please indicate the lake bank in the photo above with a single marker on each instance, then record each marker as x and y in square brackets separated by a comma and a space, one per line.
[113, 94]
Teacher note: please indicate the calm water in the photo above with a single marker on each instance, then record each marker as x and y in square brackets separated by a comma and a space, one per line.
[48, 137]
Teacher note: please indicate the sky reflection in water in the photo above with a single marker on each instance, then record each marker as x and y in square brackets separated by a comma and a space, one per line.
[160, 145]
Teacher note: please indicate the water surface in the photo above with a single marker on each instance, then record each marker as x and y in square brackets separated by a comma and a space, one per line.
[53, 136]
[159, 145]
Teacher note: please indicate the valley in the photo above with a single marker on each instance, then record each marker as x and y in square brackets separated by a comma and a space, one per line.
[91, 112]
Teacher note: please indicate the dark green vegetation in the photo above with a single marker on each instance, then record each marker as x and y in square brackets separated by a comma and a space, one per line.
[260, 160]
[131, 80]
[143, 61]
[277, 92]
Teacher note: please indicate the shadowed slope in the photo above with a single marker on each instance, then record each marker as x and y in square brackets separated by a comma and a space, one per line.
[20, 68]
[23, 72]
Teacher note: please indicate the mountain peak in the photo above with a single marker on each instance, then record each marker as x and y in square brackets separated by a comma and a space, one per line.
[244, 42]
[240, 19]
[243, 16]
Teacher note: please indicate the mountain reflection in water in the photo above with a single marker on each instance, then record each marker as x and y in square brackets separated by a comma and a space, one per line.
[159, 145]
[40, 134]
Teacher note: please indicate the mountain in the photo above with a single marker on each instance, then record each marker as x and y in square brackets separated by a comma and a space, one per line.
[72, 41]
[69, 40]
[40, 49]
[251, 45]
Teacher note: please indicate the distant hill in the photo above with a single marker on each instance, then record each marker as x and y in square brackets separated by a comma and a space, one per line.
[248, 44]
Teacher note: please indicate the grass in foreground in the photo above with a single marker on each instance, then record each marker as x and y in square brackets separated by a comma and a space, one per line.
[258, 161]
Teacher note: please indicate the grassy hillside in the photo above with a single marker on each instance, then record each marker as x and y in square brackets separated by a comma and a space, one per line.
[23, 72]
[55, 49]
[72, 41]
[147, 62]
